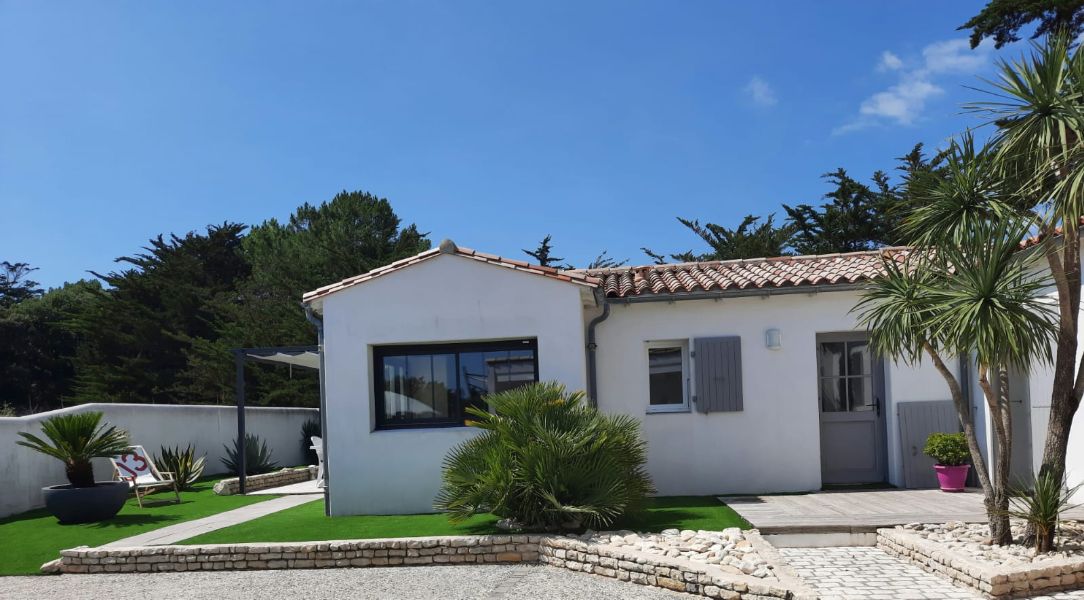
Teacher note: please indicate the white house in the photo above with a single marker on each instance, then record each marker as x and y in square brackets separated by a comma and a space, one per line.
[748, 376]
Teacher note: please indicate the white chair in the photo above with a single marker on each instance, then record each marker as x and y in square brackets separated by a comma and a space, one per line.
[318, 447]
[136, 467]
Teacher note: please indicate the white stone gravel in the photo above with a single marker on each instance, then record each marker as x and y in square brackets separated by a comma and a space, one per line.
[971, 540]
[460, 582]
[728, 549]
[866, 573]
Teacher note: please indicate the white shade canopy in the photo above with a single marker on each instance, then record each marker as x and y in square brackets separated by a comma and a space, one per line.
[300, 356]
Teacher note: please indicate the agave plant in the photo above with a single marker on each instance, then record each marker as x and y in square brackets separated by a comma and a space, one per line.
[1041, 507]
[75, 439]
[546, 461]
[182, 462]
[257, 456]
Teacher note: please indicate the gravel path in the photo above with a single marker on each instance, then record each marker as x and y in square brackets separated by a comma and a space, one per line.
[489, 582]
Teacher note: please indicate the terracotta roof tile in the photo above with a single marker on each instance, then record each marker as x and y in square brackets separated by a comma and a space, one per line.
[683, 278]
[755, 273]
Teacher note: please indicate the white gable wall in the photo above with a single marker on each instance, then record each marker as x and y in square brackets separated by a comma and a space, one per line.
[445, 299]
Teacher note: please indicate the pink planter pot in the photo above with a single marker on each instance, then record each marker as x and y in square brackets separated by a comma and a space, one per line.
[952, 479]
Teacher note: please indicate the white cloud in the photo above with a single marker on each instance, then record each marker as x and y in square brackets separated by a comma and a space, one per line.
[904, 102]
[889, 62]
[760, 92]
[955, 56]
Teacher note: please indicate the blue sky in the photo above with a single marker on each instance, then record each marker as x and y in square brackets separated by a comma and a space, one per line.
[490, 123]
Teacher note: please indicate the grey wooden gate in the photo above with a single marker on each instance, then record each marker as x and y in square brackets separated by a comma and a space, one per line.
[917, 421]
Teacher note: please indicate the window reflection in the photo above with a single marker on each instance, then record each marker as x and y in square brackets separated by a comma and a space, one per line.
[845, 370]
[418, 387]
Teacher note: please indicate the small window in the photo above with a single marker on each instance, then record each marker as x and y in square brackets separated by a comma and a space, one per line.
[432, 385]
[668, 376]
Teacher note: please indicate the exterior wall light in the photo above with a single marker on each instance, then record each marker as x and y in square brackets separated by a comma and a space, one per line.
[773, 340]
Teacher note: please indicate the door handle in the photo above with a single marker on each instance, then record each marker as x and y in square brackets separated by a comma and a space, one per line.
[877, 404]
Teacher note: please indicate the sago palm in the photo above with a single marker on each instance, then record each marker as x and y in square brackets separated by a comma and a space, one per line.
[547, 461]
[75, 439]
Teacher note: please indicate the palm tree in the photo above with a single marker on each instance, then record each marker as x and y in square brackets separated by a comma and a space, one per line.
[966, 289]
[1036, 108]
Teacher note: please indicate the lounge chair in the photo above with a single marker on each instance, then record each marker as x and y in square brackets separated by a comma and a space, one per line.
[318, 447]
[136, 467]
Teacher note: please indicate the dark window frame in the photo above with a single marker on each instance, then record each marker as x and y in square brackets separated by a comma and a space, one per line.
[457, 419]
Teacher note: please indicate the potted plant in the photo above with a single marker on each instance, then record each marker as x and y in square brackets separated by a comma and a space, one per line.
[75, 439]
[950, 452]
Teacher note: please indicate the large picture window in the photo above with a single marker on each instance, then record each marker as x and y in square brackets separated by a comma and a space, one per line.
[432, 385]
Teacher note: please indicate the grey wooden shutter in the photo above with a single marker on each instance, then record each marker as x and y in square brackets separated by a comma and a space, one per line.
[917, 421]
[717, 363]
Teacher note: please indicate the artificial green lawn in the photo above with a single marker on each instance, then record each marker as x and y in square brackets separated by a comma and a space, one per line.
[29, 539]
[308, 523]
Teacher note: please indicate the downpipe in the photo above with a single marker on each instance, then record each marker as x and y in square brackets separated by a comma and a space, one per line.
[318, 323]
[592, 347]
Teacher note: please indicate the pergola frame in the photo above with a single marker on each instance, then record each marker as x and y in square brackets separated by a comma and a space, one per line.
[267, 355]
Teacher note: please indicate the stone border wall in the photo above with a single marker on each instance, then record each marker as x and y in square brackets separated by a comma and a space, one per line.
[569, 553]
[253, 483]
[992, 581]
[676, 574]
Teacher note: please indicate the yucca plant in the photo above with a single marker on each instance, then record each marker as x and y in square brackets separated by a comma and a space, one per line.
[182, 462]
[258, 457]
[75, 439]
[547, 462]
[1041, 508]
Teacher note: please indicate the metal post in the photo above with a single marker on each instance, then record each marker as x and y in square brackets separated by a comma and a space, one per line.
[239, 392]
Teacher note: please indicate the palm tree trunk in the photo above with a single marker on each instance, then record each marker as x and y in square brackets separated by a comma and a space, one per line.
[997, 503]
[1068, 384]
[967, 422]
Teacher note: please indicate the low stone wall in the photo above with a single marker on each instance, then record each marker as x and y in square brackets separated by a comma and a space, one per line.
[569, 553]
[231, 486]
[302, 555]
[677, 574]
[992, 581]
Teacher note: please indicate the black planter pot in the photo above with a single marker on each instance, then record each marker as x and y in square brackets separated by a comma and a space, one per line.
[72, 505]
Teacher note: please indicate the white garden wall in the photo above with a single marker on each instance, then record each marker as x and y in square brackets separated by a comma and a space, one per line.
[24, 472]
[447, 298]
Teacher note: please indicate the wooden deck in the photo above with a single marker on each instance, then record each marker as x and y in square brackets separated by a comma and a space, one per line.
[859, 511]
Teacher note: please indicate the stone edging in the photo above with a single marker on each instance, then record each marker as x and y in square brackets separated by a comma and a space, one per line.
[996, 582]
[570, 553]
[231, 486]
[677, 574]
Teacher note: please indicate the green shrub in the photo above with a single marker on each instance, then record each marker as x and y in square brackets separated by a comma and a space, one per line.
[948, 449]
[547, 462]
[1042, 506]
[308, 429]
[257, 456]
[74, 439]
[184, 465]
[7, 410]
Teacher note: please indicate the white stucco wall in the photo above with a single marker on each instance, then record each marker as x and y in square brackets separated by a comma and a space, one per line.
[773, 445]
[444, 299]
[24, 472]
